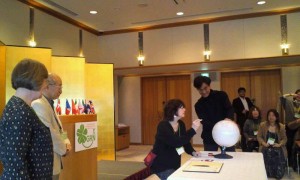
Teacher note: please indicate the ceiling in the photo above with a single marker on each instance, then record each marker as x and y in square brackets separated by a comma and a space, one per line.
[125, 14]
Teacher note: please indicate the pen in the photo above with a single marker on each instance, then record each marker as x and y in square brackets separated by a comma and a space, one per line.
[202, 165]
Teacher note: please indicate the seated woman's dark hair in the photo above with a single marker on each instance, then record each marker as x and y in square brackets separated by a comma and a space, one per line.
[254, 108]
[29, 74]
[274, 111]
[171, 108]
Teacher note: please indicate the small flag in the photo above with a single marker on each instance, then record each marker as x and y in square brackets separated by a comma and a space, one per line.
[80, 107]
[92, 108]
[73, 108]
[68, 107]
[58, 107]
[84, 107]
[76, 107]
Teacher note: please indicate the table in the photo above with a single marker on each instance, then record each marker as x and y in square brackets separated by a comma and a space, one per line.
[245, 166]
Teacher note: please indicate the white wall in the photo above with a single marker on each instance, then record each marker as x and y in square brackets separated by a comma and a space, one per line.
[236, 39]
[290, 79]
[49, 31]
[130, 106]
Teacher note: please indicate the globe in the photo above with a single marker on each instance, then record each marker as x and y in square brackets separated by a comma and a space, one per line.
[225, 133]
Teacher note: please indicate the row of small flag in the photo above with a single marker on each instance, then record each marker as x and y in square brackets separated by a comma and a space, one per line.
[78, 107]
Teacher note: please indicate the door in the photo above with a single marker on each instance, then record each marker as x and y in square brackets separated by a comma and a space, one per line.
[261, 86]
[155, 92]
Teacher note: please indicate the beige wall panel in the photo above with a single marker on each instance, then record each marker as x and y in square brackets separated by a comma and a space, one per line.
[262, 36]
[290, 79]
[14, 23]
[293, 26]
[130, 106]
[72, 71]
[51, 32]
[187, 45]
[16, 54]
[91, 47]
[158, 47]
[227, 40]
[121, 49]
[99, 88]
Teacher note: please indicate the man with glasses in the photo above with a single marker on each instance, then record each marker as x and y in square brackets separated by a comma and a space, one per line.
[212, 107]
[44, 108]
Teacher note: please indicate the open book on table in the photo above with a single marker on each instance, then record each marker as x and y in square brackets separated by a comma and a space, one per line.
[203, 166]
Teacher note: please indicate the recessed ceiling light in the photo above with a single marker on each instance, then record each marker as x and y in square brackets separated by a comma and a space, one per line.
[93, 12]
[261, 2]
[179, 13]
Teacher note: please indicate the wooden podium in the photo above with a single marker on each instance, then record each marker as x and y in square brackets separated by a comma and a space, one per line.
[80, 165]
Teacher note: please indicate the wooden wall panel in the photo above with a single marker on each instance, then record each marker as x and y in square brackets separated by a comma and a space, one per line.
[153, 99]
[155, 92]
[265, 86]
[179, 87]
[261, 86]
[230, 82]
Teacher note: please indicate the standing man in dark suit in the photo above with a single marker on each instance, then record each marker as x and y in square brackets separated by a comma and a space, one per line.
[241, 106]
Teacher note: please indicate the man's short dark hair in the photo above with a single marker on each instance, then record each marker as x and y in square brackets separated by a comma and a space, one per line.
[241, 89]
[199, 80]
[29, 74]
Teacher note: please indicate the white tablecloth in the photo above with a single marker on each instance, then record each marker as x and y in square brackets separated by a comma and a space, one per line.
[243, 166]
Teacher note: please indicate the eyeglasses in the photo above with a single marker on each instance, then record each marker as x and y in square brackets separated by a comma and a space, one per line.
[58, 86]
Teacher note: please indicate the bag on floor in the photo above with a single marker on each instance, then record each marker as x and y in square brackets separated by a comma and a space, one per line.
[275, 162]
[149, 158]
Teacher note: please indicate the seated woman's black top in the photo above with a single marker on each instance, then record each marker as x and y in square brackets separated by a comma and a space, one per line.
[26, 149]
[166, 142]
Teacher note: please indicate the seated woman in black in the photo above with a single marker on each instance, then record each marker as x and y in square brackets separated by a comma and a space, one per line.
[172, 139]
[251, 128]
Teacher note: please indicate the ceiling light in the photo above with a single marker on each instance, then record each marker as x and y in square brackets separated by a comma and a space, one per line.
[179, 13]
[261, 2]
[93, 12]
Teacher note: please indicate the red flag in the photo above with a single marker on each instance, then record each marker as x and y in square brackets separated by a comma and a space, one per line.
[58, 107]
[68, 107]
[74, 111]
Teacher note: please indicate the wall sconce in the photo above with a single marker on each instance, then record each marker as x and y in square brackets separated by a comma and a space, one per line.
[206, 55]
[206, 52]
[285, 49]
[141, 57]
[80, 44]
[31, 42]
[284, 36]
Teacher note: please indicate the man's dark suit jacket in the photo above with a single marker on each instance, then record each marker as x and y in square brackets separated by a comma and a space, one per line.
[238, 109]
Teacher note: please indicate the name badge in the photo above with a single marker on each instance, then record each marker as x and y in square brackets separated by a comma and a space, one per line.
[255, 132]
[271, 141]
[180, 150]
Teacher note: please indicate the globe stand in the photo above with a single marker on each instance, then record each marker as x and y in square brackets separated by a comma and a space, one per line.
[223, 154]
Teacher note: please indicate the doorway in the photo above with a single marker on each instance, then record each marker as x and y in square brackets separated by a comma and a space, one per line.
[156, 91]
[262, 87]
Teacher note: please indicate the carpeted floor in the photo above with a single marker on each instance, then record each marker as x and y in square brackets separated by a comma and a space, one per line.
[118, 170]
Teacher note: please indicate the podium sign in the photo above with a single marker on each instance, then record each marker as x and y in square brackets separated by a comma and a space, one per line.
[86, 136]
